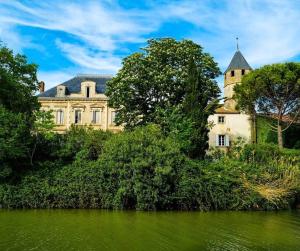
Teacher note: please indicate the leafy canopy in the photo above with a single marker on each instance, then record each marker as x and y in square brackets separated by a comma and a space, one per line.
[18, 82]
[273, 90]
[155, 79]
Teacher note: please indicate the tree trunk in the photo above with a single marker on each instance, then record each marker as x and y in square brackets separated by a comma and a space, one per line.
[253, 128]
[279, 135]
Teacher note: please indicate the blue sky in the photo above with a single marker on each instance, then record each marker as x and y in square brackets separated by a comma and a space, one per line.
[69, 37]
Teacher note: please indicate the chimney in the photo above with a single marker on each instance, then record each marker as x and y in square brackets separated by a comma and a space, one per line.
[41, 86]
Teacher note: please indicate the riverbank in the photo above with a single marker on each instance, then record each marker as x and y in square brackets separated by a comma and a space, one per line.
[144, 170]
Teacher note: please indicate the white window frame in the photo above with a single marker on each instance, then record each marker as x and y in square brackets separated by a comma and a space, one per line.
[222, 140]
[80, 116]
[59, 117]
[113, 117]
[93, 121]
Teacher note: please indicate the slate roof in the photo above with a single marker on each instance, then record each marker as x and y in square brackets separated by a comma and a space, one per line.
[238, 62]
[74, 84]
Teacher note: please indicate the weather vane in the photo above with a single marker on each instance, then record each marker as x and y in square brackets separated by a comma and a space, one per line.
[237, 43]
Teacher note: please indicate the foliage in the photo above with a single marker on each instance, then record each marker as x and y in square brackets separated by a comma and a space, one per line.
[18, 82]
[144, 169]
[291, 136]
[42, 128]
[200, 101]
[273, 90]
[155, 79]
[140, 169]
[13, 140]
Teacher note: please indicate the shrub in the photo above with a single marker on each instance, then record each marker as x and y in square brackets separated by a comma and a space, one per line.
[140, 169]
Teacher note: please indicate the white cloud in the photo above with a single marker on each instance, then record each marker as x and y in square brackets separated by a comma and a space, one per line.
[268, 29]
[101, 61]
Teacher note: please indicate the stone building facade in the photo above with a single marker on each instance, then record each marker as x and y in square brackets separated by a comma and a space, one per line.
[80, 101]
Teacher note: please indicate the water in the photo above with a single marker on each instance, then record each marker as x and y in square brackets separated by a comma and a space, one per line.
[114, 230]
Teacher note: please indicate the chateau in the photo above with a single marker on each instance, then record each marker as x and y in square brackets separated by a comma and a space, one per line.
[81, 101]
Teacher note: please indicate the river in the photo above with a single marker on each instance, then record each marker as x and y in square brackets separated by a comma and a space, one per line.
[129, 230]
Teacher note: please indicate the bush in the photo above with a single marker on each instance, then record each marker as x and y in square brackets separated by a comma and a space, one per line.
[145, 170]
[140, 169]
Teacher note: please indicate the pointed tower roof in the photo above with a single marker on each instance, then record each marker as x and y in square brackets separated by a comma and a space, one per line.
[238, 62]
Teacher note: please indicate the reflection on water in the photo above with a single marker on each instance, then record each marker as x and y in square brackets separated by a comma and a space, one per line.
[113, 230]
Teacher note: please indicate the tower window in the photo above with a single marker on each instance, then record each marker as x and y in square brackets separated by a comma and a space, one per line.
[232, 73]
[88, 92]
[243, 71]
[221, 119]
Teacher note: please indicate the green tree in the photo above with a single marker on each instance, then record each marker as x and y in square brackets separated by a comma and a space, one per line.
[18, 82]
[200, 101]
[155, 79]
[42, 128]
[139, 169]
[14, 143]
[274, 91]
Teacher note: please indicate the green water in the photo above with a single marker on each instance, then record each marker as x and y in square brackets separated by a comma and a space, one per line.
[111, 230]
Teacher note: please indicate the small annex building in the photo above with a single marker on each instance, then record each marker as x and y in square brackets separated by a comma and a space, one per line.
[228, 123]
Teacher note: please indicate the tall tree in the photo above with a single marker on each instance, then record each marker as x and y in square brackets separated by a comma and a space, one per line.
[18, 83]
[274, 91]
[155, 79]
[200, 101]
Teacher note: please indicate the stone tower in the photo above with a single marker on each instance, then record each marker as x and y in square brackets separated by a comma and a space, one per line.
[237, 68]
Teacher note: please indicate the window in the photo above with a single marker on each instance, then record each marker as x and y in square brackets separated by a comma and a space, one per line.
[60, 91]
[243, 71]
[77, 116]
[96, 116]
[221, 119]
[221, 140]
[88, 92]
[232, 73]
[113, 117]
[59, 117]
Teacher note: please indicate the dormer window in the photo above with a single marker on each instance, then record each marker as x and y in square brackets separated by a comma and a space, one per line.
[243, 72]
[88, 92]
[60, 91]
[232, 73]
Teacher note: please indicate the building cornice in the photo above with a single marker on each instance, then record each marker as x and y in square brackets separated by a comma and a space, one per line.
[72, 99]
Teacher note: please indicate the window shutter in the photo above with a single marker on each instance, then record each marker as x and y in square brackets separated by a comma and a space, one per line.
[217, 140]
[227, 140]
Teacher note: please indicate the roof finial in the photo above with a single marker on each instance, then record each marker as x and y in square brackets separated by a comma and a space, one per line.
[237, 43]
